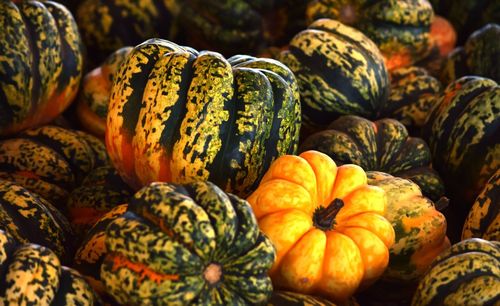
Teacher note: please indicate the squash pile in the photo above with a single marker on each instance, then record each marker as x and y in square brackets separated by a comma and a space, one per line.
[249, 152]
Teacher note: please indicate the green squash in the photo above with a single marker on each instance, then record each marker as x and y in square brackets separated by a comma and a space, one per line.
[468, 273]
[339, 70]
[32, 275]
[400, 28]
[177, 115]
[183, 244]
[41, 63]
[462, 132]
[483, 220]
[383, 145]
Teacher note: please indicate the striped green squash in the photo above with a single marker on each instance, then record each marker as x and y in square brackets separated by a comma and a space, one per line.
[466, 274]
[29, 218]
[339, 70]
[462, 133]
[413, 94]
[400, 28]
[93, 99]
[483, 220]
[454, 66]
[41, 63]
[177, 115]
[383, 145]
[33, 275]
[187, 244]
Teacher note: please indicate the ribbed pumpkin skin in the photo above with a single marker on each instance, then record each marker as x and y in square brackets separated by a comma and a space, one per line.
[101, 190]
[177, 115]
[108, 25]
[93, 99]
[40, 72]
[383, 145]
[30, 218]
[413, 94]
[399, 28]
[339, 71]
[468, 273]
[50, 161]
[32, 275]
[483, 220]
[161, 251]
[462, 133]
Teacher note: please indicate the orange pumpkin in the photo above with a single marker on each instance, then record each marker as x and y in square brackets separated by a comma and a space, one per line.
[326, 224]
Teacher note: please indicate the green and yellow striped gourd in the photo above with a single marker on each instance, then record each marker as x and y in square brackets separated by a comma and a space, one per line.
[177, 115]
[40, 63]
[187, 244]
[339, 70]
[468, 273]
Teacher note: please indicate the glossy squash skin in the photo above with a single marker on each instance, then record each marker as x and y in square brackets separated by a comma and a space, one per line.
[462, 133]
[39, 72]
[33, 275]
[382, 145]
[326, 224]
[339, 70]
[94, 96]
[483, 220]
[399, 28]
[466, 274]
[183, 244]
[177, 115]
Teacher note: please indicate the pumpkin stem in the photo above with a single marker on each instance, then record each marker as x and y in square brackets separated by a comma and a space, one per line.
[212, 273]
[442, 204]
[324, 217]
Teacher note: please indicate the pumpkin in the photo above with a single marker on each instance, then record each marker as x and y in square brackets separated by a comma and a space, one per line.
[339, 70]
[467, 16]
[41, 63]
[413, 94]
[483, 220]
[382, 145]
[326, 224]
[183, 244]
[399, 28]
[466, 274]
[93, 99]
[462, 132]
[177, 115]
[98, 193]
[49, 160]
[478, 57]
[33, 275]
[443, 34]
[108, 25]
[29, 218]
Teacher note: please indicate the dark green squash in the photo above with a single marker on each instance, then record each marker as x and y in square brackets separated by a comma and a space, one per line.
[41, 63]
[339, 70]
[383, 145]
[187, 244]
[468, 273]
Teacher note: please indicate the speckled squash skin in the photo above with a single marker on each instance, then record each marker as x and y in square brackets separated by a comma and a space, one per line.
[177, 115]
[399, 28]
[99, 192]
[49, 160]
[41, 63]
[33, 275]
[339, 70]
[454, 66]
[29, 218]
[483, 220]
[382, 145]
[108, 25]
[187, 244]
[466, 274]
[93, 99]
[413, 94]
[462, 132]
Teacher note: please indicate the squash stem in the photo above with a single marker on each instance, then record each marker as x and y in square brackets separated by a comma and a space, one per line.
[324, 217]
[213, 273]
